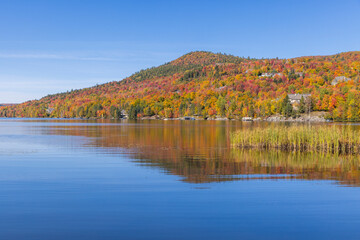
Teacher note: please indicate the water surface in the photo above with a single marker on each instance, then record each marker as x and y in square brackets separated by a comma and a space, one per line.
[77, 179]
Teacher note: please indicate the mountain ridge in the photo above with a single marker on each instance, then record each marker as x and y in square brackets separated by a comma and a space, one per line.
[185, 62]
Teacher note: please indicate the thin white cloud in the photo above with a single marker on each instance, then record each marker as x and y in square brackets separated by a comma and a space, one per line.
[18, 89]
[117, 58]
[54, 57]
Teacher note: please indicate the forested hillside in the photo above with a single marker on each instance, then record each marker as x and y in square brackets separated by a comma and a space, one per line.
[214, 85]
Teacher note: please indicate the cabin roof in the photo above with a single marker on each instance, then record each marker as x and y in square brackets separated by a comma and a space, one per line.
[298, 96]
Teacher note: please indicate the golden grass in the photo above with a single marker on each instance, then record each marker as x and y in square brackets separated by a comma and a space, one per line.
[334, 139]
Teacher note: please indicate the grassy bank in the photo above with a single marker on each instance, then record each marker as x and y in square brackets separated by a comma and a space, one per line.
[334, 139]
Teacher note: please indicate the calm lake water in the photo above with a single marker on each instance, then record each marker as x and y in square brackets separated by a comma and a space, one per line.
[77, 179]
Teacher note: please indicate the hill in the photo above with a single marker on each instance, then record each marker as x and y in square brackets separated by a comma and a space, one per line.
[208, 85]
[7, 104]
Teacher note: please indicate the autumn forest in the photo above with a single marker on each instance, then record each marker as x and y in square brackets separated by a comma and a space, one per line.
[208, 85]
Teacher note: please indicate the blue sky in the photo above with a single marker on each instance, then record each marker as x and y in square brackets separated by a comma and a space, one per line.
[53, 46]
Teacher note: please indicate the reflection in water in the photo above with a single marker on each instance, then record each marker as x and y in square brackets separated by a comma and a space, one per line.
[77, 179]
[200, 152]
[297, 165]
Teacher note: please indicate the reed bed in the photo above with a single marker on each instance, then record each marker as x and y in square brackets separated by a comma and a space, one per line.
[330, 139]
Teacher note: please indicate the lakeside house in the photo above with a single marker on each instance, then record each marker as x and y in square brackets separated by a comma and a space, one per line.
[49, 110]
[295, 98]
[340, 79]
[124, 114]
[270, 75]
[247, 119]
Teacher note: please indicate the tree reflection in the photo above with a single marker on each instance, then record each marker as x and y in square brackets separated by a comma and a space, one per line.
[200, 152]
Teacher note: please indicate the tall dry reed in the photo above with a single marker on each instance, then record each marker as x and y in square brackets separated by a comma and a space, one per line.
[334, 139]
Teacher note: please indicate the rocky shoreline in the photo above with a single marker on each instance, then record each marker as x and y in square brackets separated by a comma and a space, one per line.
[297, 119]
[317, 117]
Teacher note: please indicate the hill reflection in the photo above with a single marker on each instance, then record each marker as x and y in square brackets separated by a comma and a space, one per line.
[200, 152]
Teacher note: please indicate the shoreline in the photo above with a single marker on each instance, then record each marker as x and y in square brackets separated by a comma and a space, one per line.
[267, 119]
[314, 117]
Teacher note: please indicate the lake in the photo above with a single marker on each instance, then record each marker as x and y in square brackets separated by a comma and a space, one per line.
[107, 179]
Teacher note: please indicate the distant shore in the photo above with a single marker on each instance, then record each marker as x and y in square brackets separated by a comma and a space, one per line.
[312, 117]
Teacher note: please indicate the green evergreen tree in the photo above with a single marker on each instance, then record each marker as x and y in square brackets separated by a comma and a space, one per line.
[302, 105]
[287, 109]
[221, 106]
[115, 112]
